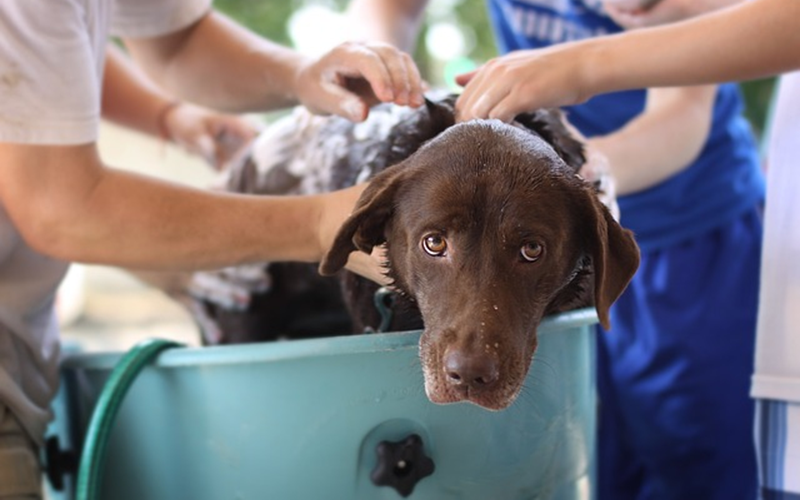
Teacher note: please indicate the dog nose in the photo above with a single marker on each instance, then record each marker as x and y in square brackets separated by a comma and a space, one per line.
[466, 369]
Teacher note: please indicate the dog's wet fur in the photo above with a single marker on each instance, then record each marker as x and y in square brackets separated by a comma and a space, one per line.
[488, 227]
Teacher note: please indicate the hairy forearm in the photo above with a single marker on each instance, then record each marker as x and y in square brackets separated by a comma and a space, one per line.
[168, 226]
[67, 205]
[392, 21]
[660, 142]
[259, 75]
[750, 40]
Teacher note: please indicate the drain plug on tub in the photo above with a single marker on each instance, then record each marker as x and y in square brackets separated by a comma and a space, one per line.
[402, 464]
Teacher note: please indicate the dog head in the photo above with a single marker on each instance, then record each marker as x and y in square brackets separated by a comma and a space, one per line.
[486, 227]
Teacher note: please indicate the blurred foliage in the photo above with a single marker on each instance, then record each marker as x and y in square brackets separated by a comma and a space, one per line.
[270, 19]
[474, 13]
[266, 17]
[757, 97]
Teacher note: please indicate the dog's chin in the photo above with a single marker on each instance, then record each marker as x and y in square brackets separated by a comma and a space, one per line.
[442, 393]
[492, 401]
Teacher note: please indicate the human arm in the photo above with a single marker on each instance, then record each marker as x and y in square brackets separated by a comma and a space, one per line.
[219, 64]
[754, 39]
[396, 22]
[131, 100]
[663, 140]
[67, 205]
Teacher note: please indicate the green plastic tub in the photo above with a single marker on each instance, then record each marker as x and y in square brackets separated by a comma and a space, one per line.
[305, 419]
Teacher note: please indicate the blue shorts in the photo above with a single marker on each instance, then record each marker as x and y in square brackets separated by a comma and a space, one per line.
[676, 420]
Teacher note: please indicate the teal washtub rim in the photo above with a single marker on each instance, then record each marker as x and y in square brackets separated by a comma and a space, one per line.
[303, 348]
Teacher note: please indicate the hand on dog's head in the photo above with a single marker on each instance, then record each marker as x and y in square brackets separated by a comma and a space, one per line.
[488, 229]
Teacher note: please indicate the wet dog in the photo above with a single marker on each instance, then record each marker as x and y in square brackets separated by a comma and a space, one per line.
[487, 226]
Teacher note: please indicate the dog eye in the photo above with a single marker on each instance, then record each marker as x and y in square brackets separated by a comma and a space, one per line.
[434, 244]
[531, 252]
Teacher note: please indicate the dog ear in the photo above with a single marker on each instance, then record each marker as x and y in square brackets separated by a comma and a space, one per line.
[364, 229]
[549, 124]
[442, 112]
[615, 257]
[408, 136]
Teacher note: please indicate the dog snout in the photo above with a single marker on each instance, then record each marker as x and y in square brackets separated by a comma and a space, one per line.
[473, 370]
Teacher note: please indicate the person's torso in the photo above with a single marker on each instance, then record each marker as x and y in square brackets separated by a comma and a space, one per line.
[721, 184]
[778, 341]
[29, 344]
[28, 279]
[52, 56]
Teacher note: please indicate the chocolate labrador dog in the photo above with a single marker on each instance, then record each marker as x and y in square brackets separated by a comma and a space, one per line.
[488, 227]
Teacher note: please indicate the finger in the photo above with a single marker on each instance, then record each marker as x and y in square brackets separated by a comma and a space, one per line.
[369, 266]
[238, 129]
[464, 78]
[485, 105]
[477, 91]
[395, 64]
[470, 93]
[485, 94]
[357, 61]
[337, 100]
[505, 110]
[416, 96]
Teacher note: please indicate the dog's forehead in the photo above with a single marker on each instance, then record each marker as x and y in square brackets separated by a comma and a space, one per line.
[484, 158]
[506, 191]
[484, 139]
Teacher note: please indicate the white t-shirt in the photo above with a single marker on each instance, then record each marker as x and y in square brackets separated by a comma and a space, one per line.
[778, 340]
[51, 67]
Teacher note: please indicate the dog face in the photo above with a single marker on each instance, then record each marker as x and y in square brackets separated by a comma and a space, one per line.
[488, 229]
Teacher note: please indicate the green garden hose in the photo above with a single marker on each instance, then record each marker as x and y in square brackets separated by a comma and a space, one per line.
[105, 412]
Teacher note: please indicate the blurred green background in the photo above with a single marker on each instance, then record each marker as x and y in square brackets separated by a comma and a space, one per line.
[455, 37]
